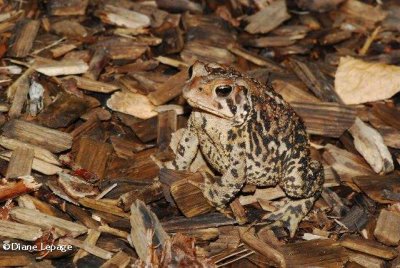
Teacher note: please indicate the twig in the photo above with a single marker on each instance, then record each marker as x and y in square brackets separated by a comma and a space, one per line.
[234, 260]
[6, 80]
[19, 62]
[172, 62]
[233, 254]
[37, 51]
[369, 41]
[341, 224]
[106, 191]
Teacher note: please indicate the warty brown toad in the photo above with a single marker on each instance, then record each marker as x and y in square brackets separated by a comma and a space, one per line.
[249, 134]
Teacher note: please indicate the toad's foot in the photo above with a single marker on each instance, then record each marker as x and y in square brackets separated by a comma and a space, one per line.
[206, 189]
[290, 215]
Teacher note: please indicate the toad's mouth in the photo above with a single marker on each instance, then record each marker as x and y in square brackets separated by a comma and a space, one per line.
[199, 107]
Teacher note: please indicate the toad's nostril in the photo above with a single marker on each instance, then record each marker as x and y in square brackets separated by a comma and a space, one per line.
[200, 89]
[185, 90]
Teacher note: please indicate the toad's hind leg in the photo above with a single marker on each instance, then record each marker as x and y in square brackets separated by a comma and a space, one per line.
[302, 184]
[290, 215]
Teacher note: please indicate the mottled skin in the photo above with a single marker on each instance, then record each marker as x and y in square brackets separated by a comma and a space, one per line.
[249, 134]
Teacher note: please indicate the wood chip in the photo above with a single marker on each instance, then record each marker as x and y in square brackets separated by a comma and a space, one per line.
[271, 254]
[91, 239]
[375, 186]
[263, 194]
[69, 28]
[138, 168]
[65, 67]
[387, 114]
[189, 198]
[322, 253]
[364, 12]
[387, 228]
[94, 86]
[120, 260]
[20, 95]
[64, 110]
[131, 103]
[113, 231]
[20, 163]
[335, 37]
[53, 140]
[36, 218]
[15, 259]
[67, 8]
[370, 247]
[238, 211]
[194, 51]
[143, 221]
[22, 81]
[93, 156]
[365, 260]
[98, 61]
[256, 59]
[147, 194]
[167, 124]
[96, 251]
[19, 231]
[25, 184]
[326, 119]
[346, 164]
[315, 80]
[319, 6]
[267, 18]
[170, 89]
[203, 221]
[37, 165]
[123, 17]
[291, 92]
[25, 34]
[103, 206]
[75, 187]
[62, 50]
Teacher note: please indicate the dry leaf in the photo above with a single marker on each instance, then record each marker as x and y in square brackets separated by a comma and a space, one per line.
[369, 143]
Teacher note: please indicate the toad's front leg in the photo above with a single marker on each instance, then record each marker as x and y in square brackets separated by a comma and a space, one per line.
[186, 150]
[224, 188]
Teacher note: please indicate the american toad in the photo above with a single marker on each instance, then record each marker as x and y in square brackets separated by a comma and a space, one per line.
[249, 134]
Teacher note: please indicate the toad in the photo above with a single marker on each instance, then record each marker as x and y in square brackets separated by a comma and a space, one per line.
[249, 134]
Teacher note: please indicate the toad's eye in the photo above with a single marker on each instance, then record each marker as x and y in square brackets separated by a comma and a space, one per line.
[223, 91]
[190, 71]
